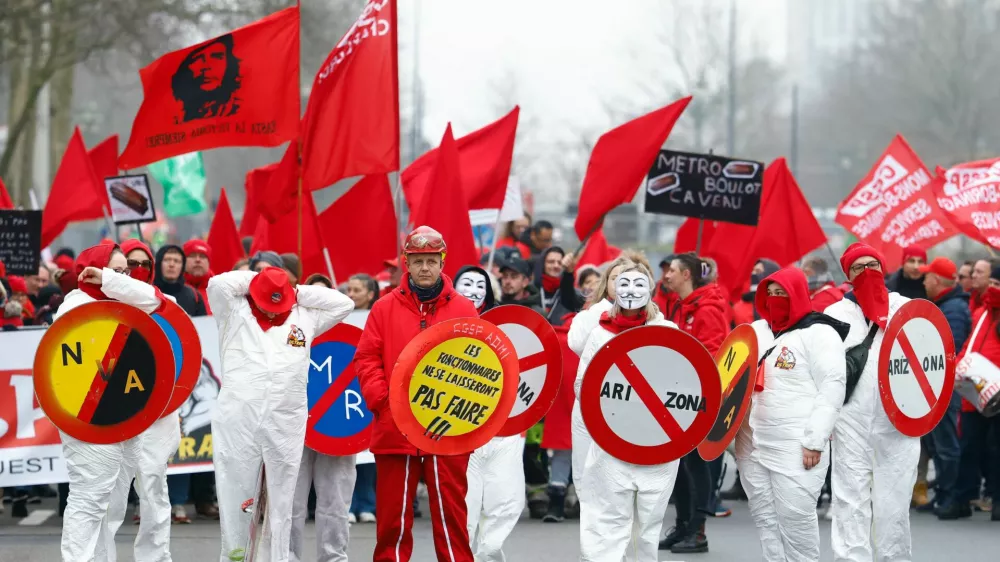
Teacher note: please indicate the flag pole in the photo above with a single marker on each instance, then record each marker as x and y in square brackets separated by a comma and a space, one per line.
[697, 244]
[493, 246]
[398, 199]
[583, 243]
[329, 266]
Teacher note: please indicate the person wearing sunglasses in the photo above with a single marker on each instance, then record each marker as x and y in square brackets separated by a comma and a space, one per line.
[874, 465]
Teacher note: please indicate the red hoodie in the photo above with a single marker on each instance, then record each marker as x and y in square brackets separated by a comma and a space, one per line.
[828, 295]
[393, 322]
[558, 432]
[703, 315]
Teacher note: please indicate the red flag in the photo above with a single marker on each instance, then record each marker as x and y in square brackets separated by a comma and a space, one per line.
[279, 195]
[77, 193]
[484, 155]
[223, 237]
[893, 207]
[786, 231]
[686, 239]
[5, 201]
[969, 195]
[282, 236]
[104, 157]
[351, 125]
[621, 158]
[597, 251]
[360, 228]
[256, 180]
[238, 89]
[444, 208]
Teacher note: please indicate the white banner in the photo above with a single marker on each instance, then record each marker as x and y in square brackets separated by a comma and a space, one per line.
[30, 450]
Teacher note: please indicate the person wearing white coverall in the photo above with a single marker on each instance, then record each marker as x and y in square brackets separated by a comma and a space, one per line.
[625, 502]
[496, 496]
[333, 478]
[874, 465]
[266, 328]
[100, 475]
[783, 450]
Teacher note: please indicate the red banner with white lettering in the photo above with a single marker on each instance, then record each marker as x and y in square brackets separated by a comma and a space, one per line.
[969, 194]
[894, 207]
[30, 450]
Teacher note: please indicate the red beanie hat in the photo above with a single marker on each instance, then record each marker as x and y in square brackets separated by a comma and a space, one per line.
[197, 246]
[64, 262]
[914, 251]
[17, 284]
[859, 250]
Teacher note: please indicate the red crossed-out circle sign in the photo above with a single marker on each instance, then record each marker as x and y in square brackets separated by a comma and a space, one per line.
[453, 386]
[650, 395]
[104, 372]
[737, 364]
[349, 432]
[916, 368]
[186, 345]
[539, 358]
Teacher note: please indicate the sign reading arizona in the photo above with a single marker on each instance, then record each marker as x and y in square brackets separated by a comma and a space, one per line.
[238, 89]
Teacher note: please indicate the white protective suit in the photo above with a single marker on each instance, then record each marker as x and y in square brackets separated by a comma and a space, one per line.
[582, 326]
[625, 502]
[334, 479]
[804, 380]
[874, 465]
[261, 413]
[100, 475]
[495, 497]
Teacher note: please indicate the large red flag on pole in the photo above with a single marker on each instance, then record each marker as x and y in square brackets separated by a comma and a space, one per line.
[5, 201]
[238, 89]
[104, 157]
[969, 195]
[351, 125]
[620, 160]
[485, 157]
[223, 237]
[77, 193]
[894, 206]
[256, 181]
[444, 208]
[282, 236]
[360, 228]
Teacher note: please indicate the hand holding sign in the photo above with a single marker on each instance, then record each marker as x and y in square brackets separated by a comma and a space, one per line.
[454, 386]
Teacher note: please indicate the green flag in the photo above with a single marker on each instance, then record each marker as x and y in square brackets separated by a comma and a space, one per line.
[183, 181]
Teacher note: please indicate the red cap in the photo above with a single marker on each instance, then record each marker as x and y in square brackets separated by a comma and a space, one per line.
[914, 252]
[272, 292]
[197, 246]
[17, 284]
[942, 267]
[63, 262]
[391, 264]
[424, 240]
[859, 250]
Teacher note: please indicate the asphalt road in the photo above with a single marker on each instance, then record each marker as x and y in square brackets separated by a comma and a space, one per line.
[731, 539]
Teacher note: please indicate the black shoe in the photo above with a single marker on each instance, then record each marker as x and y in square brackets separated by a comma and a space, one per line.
[557, 506]
[953, 511]
[695, 542]
[674, 536]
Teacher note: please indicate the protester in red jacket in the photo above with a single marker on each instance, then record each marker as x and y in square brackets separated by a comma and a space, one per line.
[424, 297]
[198, 256]
[557, 436]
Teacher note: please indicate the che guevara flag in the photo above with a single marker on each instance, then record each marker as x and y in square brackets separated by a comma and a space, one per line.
[351, 125]
[238, 89]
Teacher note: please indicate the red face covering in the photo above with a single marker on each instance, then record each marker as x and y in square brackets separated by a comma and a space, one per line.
[550, 283]
[96, 256]
[262, 318]
[873, 297]
[620, 322]
[779, 310]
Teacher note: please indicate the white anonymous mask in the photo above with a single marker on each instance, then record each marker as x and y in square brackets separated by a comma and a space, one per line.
[472, 285]
[632, 290]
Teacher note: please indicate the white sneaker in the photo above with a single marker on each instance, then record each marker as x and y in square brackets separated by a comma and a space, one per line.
[367, 517]
[351, 518]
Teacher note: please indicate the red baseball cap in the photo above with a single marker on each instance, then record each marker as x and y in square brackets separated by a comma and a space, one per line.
[17, 284]
[197, 246]
[940, 266]
[271, 291]
[393, 263]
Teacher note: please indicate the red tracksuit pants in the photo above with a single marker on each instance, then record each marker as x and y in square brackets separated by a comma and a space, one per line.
[395, 489]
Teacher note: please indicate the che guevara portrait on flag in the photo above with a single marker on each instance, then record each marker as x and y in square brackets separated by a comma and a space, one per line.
[207, 81]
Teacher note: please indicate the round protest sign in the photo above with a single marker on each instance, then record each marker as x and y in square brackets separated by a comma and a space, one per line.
[916, 368]
[737, 365]
[104, 372]
[454, 385]
[650, 395]
[339, 421]
[186, 347]
[539, 358]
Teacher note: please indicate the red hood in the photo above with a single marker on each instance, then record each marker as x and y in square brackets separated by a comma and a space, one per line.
[95, 256]
[794, 282]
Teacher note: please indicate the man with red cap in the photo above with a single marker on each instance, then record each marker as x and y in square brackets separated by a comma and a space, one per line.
[874, 465]
[197, 272]
[908, 281]
[266, 328]
[424, 297]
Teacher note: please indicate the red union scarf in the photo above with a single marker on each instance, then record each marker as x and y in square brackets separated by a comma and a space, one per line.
[356, 90]
[238, 89]
[620, 322]
[894, 206]
[969, 194]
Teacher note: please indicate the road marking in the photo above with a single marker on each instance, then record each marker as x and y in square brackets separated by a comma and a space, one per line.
[37, 517]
